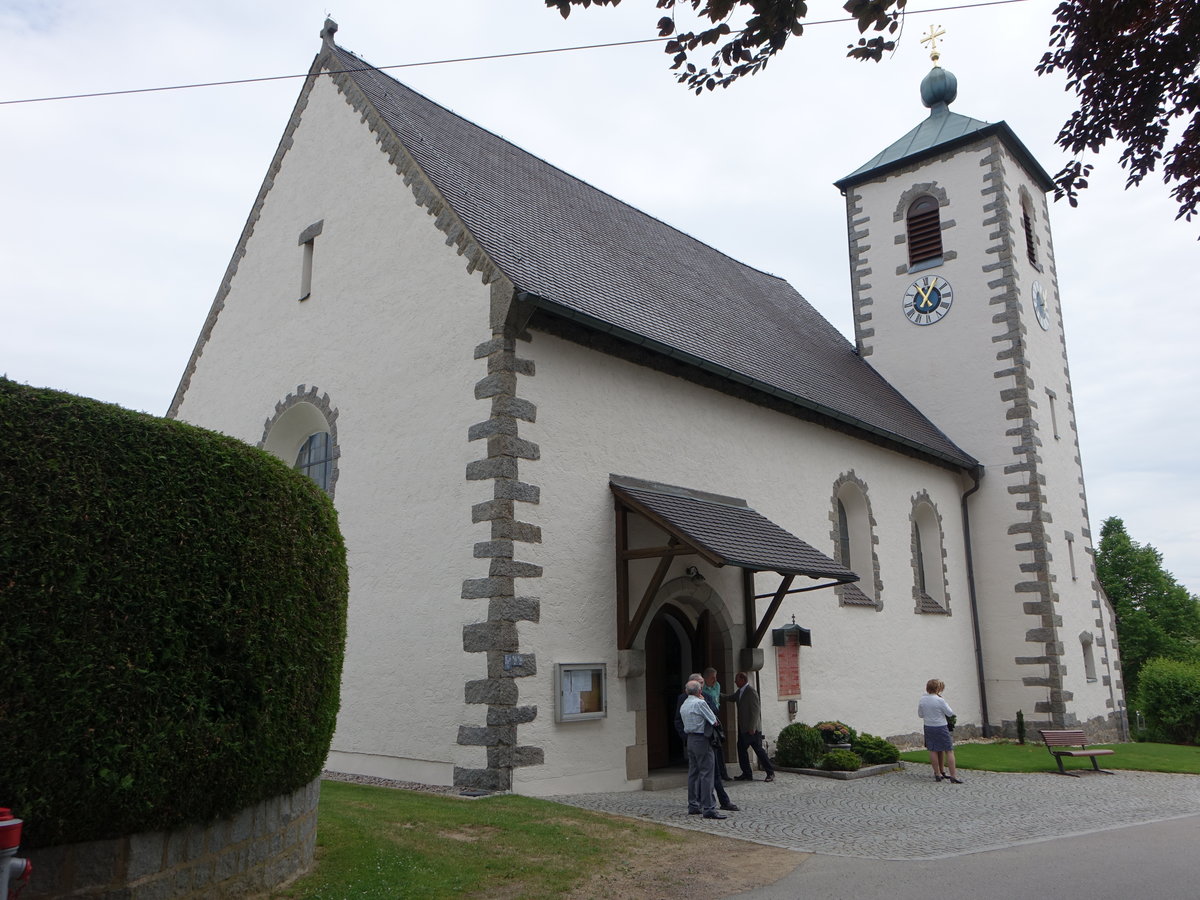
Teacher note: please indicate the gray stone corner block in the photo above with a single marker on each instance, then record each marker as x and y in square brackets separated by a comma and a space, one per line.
[514, 531]
[494, 467]
[492, 426]
[470, 736]
[751, 659]
[508, 489]
[510, 362]
[512, 757]
[493, 691]
[495, 345]
[514, 407]
[490, 510]
[480, 588]
[508, 568]
[502, 384]
[490, 549]
[504, 445]
[515, 609]
[483, 636]
[511, 715]
[511, 664]
[631, 663]
[482, 779]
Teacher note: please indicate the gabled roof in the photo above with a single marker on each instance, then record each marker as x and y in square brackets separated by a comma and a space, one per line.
[726, 531]
[581, 254]
[942, 131]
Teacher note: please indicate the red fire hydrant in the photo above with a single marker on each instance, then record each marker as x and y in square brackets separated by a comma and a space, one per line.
[12, 867]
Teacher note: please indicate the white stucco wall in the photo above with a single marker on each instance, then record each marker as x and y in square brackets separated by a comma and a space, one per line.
[388, 334]
[598, 415]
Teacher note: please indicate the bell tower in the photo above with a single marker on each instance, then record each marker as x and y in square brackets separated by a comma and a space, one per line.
[956, 303]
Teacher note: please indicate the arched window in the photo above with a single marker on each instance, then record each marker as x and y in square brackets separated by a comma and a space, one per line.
[924, 223]
[929, 582]
[854, 543]
[303, 433]
[315, 459]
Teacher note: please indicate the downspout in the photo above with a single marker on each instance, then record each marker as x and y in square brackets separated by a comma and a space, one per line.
[985, 724]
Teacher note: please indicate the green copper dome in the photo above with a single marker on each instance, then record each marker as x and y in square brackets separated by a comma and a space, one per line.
[938, 87]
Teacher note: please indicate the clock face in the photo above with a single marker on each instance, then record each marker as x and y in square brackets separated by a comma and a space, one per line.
[927, 300]
[1039, 306]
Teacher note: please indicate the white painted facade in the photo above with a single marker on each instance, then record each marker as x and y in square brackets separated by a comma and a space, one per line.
[383, 350]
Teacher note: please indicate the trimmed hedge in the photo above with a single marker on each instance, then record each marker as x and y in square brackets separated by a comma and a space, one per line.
[841, 761]
[799, 746]
[1169, 692]
[174, 620]
[875, 750]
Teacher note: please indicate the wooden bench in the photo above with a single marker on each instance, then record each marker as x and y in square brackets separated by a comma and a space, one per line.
[1057, 740]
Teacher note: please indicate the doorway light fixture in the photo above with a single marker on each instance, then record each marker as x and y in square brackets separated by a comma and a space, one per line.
[693, 573]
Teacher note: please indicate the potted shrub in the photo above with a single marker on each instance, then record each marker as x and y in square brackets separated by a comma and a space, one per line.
[836, 734]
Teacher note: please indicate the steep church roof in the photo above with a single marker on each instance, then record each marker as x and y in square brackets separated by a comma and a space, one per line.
[581, 254]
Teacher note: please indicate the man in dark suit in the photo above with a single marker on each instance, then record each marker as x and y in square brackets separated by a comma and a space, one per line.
[749, 715]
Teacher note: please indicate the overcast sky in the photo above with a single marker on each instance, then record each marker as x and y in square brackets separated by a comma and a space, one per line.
[121, 213]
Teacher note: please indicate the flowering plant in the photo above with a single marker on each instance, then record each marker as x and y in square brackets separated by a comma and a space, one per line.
[834, 732]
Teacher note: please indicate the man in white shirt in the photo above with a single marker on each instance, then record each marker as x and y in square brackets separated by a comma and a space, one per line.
[696, 713]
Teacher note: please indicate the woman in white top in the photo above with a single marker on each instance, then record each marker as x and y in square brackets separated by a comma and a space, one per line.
[933, 709]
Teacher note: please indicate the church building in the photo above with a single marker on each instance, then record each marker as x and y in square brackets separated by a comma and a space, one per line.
[577, 454]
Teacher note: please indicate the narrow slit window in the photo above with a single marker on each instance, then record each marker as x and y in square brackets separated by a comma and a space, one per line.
[306, 271]
[924, 231]
[1071, 555]
[308, 240]
[844, 535]
[1089, 656]
[1052, 397]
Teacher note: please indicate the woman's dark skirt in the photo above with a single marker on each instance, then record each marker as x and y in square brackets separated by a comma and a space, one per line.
[937, 738]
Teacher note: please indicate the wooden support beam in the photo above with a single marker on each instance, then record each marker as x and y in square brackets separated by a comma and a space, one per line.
[761, 630]
[643, 609]
[749, 613]
[651, 552]
[622, 542]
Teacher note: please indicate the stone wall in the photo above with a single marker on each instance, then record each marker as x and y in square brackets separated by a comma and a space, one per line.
[257, 849]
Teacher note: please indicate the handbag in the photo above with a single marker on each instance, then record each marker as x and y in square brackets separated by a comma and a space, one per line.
[715, 734]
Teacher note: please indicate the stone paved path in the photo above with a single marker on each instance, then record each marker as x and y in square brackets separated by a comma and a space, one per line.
[906, 815]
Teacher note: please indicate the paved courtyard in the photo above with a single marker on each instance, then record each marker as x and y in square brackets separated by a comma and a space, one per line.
[906, 815]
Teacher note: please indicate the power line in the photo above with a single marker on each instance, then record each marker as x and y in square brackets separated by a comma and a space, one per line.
[442, 62]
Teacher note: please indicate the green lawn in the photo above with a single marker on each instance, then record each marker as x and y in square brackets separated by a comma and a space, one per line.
[1035, 758]
[381, 843]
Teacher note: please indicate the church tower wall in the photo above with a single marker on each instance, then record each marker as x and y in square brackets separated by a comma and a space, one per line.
[995, 378]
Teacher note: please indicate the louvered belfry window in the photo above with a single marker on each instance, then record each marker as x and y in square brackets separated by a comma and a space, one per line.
[1030, 244]
[924, 231]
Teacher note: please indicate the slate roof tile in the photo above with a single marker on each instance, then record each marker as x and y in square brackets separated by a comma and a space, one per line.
[584, 253]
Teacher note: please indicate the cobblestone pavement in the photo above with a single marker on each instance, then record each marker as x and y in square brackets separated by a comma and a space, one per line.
[906, 815]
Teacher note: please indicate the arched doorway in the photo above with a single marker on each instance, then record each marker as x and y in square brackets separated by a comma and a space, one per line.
[670, 649]
[687, 633]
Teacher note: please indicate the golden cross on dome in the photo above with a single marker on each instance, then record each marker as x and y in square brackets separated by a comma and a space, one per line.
[935, 32]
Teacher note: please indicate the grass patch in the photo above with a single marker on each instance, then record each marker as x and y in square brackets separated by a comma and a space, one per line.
[1006, 757]
[382, 843]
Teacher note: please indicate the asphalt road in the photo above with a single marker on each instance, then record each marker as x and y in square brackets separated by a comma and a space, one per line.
[1155, 861]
